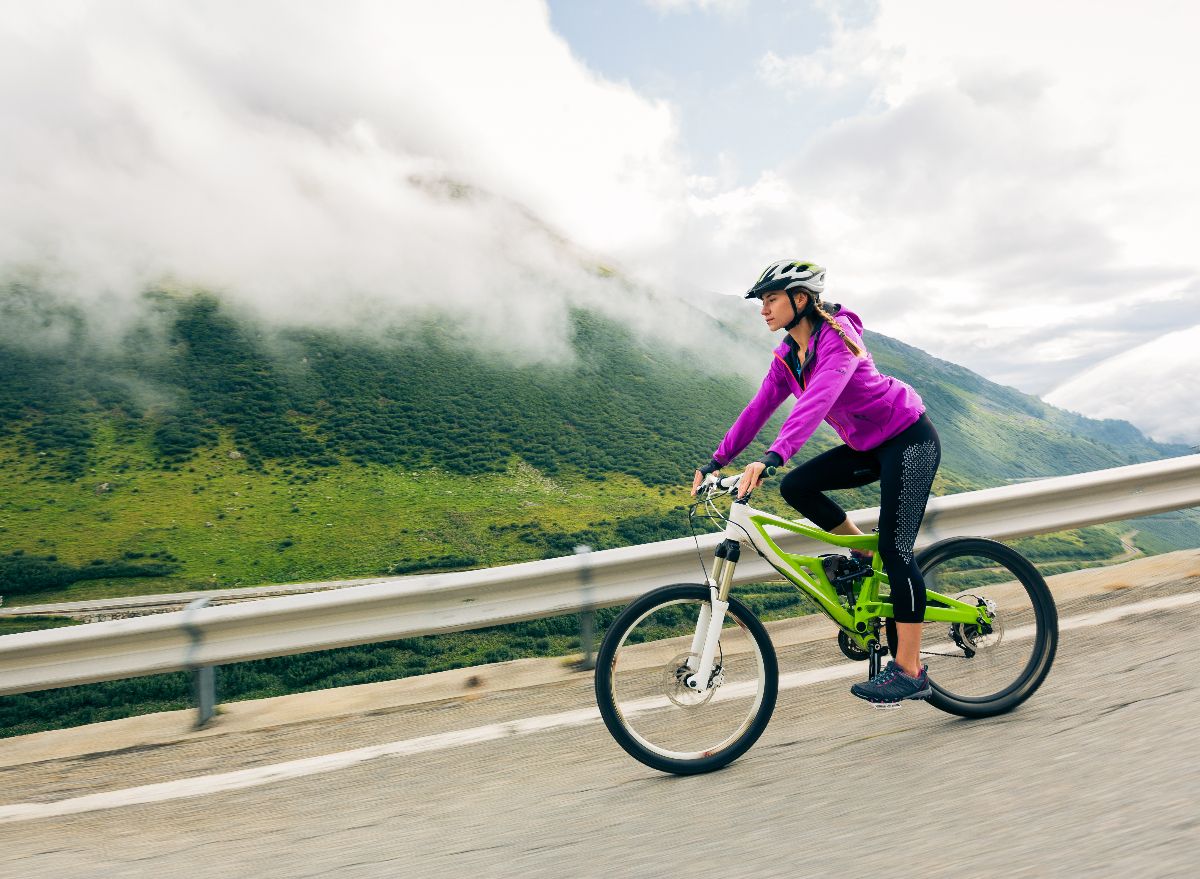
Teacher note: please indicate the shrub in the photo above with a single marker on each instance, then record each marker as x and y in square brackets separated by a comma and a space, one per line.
[23, 575]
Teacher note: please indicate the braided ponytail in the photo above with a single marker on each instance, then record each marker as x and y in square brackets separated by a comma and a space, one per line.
[819, 312]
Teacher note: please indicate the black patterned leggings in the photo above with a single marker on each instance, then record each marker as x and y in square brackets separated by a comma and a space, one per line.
[905, 466]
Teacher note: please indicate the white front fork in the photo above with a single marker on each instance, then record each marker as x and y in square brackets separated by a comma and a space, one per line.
[712, 616]
[700, 637]
[710, 636]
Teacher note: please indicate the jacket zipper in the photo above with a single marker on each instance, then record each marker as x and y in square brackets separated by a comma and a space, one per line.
[804, 386]
[841, 432]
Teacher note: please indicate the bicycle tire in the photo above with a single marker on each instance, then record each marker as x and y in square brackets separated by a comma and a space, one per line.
[634, 674]
[995, 678]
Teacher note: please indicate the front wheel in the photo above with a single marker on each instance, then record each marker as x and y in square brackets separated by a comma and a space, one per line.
[982, 670]
[641, 667]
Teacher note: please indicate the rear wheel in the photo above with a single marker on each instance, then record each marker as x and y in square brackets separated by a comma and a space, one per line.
[982, 670]
[640, 682]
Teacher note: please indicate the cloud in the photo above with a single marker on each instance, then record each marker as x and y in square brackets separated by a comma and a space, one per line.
[325, 161]
[1009, 198]
[1020, 199]
[855, 59]
[1153, 385]
[666, 7]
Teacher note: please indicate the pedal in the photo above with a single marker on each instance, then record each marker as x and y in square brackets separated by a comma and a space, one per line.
[884, 706]
[874, 658]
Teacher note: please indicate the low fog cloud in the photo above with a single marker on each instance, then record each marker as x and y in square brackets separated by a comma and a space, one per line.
[324, 162]
[1145, 385]
[1016, 192]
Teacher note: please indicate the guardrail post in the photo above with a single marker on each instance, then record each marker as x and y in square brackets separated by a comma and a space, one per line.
[204, 679]
[204, 683]
[586, 622]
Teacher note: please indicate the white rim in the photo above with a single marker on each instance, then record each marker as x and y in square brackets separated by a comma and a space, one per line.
[725, 693]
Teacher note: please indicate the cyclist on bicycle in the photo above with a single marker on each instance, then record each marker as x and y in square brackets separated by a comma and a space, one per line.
[886, 434]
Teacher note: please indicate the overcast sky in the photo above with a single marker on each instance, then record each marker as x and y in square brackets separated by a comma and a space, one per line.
[1011, 186]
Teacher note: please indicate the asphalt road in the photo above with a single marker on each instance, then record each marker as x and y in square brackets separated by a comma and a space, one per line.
[1095, 776]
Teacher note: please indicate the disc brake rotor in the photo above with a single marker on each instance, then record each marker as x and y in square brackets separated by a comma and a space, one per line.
[979, 637]
[676, 673]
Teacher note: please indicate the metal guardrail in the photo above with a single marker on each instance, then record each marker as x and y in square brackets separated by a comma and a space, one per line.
[472, 599]
[100, 610]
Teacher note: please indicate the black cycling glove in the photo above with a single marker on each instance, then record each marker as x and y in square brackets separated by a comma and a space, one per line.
[711, 467]
[772, 459]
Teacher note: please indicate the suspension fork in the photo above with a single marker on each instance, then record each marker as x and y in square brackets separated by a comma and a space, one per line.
[712, 615]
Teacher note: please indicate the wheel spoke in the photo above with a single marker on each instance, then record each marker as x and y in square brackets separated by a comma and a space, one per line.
[641, 683]
[985, 668]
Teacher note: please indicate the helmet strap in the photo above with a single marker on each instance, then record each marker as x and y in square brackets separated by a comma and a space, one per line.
[800, 315]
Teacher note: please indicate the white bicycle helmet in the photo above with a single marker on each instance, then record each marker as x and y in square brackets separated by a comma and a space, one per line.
[789, 275]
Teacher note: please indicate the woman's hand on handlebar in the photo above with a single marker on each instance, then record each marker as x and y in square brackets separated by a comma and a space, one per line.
[752, 478]
[711, 467]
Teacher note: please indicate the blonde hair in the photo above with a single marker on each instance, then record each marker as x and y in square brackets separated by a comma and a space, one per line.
[821, 314]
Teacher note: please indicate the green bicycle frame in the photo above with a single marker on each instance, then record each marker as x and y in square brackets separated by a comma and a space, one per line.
[859, 622]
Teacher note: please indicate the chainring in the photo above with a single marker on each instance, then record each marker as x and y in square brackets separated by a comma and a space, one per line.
[850, 649]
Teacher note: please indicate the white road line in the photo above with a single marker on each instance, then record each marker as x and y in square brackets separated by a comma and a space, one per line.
[210, 784]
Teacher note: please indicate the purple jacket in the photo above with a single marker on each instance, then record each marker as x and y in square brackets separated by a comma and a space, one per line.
[864, 407]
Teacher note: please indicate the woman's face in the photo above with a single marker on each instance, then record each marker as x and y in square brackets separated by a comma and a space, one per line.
[777, 308]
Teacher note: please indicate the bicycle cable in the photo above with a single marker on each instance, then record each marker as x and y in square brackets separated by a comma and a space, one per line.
[696, 538]
[716, 514]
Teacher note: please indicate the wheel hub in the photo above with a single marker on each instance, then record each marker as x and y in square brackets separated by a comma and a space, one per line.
[980, 636]
[676, 675]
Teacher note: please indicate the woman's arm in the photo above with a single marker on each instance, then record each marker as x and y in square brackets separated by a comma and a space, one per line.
[834, 367]
[774, 391]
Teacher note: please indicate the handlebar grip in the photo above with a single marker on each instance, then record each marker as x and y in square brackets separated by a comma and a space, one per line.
[728, 482]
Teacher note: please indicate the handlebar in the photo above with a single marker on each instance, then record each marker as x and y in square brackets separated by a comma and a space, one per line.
[730, 483]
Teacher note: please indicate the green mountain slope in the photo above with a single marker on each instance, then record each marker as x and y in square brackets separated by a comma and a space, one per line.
[204, 449]
[995, 433]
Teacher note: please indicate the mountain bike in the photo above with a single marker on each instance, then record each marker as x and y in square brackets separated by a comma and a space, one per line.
[687, 676]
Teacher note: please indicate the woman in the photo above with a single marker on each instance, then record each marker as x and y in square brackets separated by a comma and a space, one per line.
[887, 437]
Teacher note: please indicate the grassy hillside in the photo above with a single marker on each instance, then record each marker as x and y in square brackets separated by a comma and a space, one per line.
[309, 456]
[203, 450]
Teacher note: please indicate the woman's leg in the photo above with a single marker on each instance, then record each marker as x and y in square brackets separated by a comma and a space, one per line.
[908, 463]
[829, 471]
[908, 648]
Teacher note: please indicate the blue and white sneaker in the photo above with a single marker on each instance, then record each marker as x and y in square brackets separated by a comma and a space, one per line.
[892, 686]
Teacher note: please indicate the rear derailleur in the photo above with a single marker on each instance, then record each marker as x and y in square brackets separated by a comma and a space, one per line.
[980, 634]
